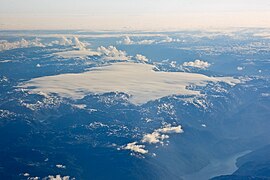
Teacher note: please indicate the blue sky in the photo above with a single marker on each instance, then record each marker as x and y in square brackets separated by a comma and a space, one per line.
[140, 14]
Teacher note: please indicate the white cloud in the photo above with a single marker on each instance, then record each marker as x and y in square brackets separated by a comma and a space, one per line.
[126, 77]
[136, 148]
[198, 64]
[239, 68]
[77, 53]
[5, 61]
[70, 41]
[265, 94]
[168, 129]
[146, 41]
[106, 53]
[65, 41]
[80, 49]
[96, 125]
[204, 125]
[140, 57]
[263, 35]
[26, 174]
[5, 45]
[127, 41]
[169, 40]
[33, 178]
[79, 106]
[154, 138]
[57, 177]
[60, 166]
[112, 53]
[78, 44]
[160, 134]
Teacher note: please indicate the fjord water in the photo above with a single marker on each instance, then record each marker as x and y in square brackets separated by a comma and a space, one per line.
[217, 167]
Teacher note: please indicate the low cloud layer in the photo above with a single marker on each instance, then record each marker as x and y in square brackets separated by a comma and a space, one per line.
[136, 148]
[106, 53]
[154, 138]
[112, 53]
[126, 77]
[168, 129]
[60, 166]
[23, 43]
[158, 136]
[77, 54]
[78, 44]
[63, 41]
[58, 177]
[6, 45]
[161, 134]
[81, 50]
[198, 64]
[128, 41]
[169, 40]
[239, 68]
[140, 57]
